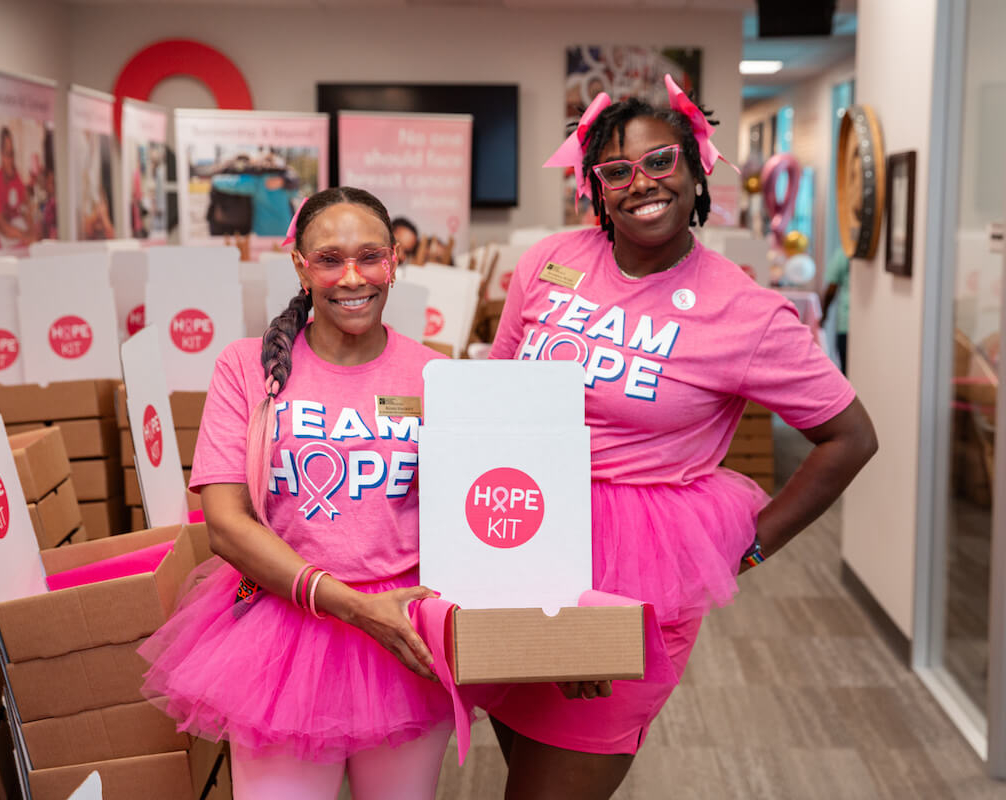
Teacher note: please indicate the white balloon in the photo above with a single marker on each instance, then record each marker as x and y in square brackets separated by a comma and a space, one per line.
[799, 268]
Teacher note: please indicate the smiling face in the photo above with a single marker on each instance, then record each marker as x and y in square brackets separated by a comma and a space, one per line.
[352, 305]
[648, 212]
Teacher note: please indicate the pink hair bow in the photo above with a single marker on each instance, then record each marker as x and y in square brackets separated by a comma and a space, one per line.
[570, 152]
[291, 231]
[708, 154]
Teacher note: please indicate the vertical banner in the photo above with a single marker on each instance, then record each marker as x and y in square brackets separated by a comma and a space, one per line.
[27, 163]
[243, 173]
[91, 164]
[418, 165]
[143, 197]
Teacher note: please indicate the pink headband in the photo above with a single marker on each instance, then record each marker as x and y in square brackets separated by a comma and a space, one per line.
[291, 231]
[571, 151]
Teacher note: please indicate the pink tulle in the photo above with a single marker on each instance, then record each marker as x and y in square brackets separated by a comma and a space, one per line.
[677, 547]
[136, 562]
[275, 680]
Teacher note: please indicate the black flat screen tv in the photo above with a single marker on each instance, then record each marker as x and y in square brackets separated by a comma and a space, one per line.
[494, 127]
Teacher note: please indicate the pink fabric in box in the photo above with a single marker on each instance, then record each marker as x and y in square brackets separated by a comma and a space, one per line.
[146, 559]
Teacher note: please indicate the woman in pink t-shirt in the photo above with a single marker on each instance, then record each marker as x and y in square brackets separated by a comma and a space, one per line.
[675, 340]
[297, 647]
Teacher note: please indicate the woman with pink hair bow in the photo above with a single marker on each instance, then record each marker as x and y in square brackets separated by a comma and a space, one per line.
[677, 340]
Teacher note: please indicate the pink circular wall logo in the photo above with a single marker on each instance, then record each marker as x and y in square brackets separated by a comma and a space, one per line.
[505, 279]
[9, 348]
[70, 337]
[136, 320]
[152, 437]
[191, 330]
[4, 511]
[434, 322]
[504, 507]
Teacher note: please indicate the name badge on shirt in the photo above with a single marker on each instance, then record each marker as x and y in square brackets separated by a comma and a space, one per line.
[394, 405]
[566, 277]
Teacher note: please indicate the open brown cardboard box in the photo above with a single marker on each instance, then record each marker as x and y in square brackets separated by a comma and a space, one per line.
[104, 517]
[56, 515]
[121, 731]
[524, 645]
[41, 461]
[164, 776]
[77, 681]
[30, 402]
[110, 612]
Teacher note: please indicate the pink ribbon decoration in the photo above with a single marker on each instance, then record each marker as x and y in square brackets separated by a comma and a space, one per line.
[317, 496]
[708, 154]
[291, 231]
[782, 213]
[570, 152]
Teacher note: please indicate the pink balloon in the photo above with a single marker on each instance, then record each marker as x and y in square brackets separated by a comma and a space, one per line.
[781, 213]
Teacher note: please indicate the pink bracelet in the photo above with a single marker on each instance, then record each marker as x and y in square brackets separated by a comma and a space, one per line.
[307, 582]
[314, 587]
[296, 581]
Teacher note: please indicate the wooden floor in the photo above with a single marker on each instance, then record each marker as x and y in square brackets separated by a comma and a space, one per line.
[790, 693]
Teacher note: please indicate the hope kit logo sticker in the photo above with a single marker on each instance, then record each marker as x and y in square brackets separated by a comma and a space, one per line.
[191, 330]
[9, 348]
[4, 510]
[504, 507]
[70, 337]
[152, 436]
[434, 322]
[136, 320]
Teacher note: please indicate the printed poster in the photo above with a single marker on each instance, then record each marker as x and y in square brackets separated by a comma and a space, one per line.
[27, 163]
[418, 165]
[143, 197]
[91, 164]
[243, 173]
[622, 71]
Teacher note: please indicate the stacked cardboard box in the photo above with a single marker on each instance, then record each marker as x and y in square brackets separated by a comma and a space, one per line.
[75, 677]
[187, 412]
[44, 472]
[751, 452]
[84, 412]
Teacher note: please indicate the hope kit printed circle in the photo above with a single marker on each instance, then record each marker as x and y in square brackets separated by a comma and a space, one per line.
[70, 337]
[504, 507]
[153, 439]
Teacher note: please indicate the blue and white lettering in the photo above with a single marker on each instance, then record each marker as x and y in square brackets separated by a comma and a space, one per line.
[279, 407]
[638, 379]
[556, 299]
[401, 473]
[405, 430]
[643, 338]
[597, 369]
[350, 426]
[577, 312]
[304, 424]
[531, 350]
[358, 479]
[610, 326]
[286, 472]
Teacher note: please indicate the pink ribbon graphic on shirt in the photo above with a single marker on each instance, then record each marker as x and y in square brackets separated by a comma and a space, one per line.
[570, 152]
[318, 495]
[500, 495]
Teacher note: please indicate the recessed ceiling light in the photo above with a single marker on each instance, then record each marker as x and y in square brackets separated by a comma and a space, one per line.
[760, 67]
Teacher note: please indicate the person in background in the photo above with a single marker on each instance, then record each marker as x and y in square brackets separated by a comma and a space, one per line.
[836, 293]
[676, 340]
[297, 646]
[407, 236]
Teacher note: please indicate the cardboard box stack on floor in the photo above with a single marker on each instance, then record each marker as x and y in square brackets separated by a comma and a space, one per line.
[85, 415]
[75, 676]
[187, 412]
[44, 472]
[751, 452]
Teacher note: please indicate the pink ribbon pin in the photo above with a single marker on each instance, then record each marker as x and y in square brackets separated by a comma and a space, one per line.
[500, 495]
[708, 154]
[317, 496]
[291, 231]
[570, 152]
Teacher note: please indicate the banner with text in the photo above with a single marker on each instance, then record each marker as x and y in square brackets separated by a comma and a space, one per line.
[243, 173]
[418, 165]
[27, 167]
[143, 197]
[91, 164]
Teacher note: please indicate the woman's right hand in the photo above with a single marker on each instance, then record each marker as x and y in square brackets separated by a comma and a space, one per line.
[385, 617]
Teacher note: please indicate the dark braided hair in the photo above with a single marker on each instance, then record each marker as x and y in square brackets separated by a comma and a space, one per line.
[277, 343]
[612, 121]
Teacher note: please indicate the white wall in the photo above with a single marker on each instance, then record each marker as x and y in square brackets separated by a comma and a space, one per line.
[284, 53]
[894, 74]
[812, 145]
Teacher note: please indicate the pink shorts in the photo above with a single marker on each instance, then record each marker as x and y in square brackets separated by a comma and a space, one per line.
[616, 724]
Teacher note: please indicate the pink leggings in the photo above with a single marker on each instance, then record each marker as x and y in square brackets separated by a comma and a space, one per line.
[407, 772]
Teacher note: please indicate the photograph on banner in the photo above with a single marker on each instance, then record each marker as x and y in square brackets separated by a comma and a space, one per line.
[419, 166]
[243, 173]
[27, 163]
[143, 191]
[91, 149]
[622, 71]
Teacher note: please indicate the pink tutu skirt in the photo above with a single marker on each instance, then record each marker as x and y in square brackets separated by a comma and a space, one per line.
[274, 679]
[677, 547]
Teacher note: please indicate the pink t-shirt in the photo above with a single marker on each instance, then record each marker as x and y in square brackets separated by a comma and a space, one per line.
[343, 491]
[671, 359]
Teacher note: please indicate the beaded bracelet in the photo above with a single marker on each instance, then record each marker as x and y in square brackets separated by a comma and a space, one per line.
[754, 556]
